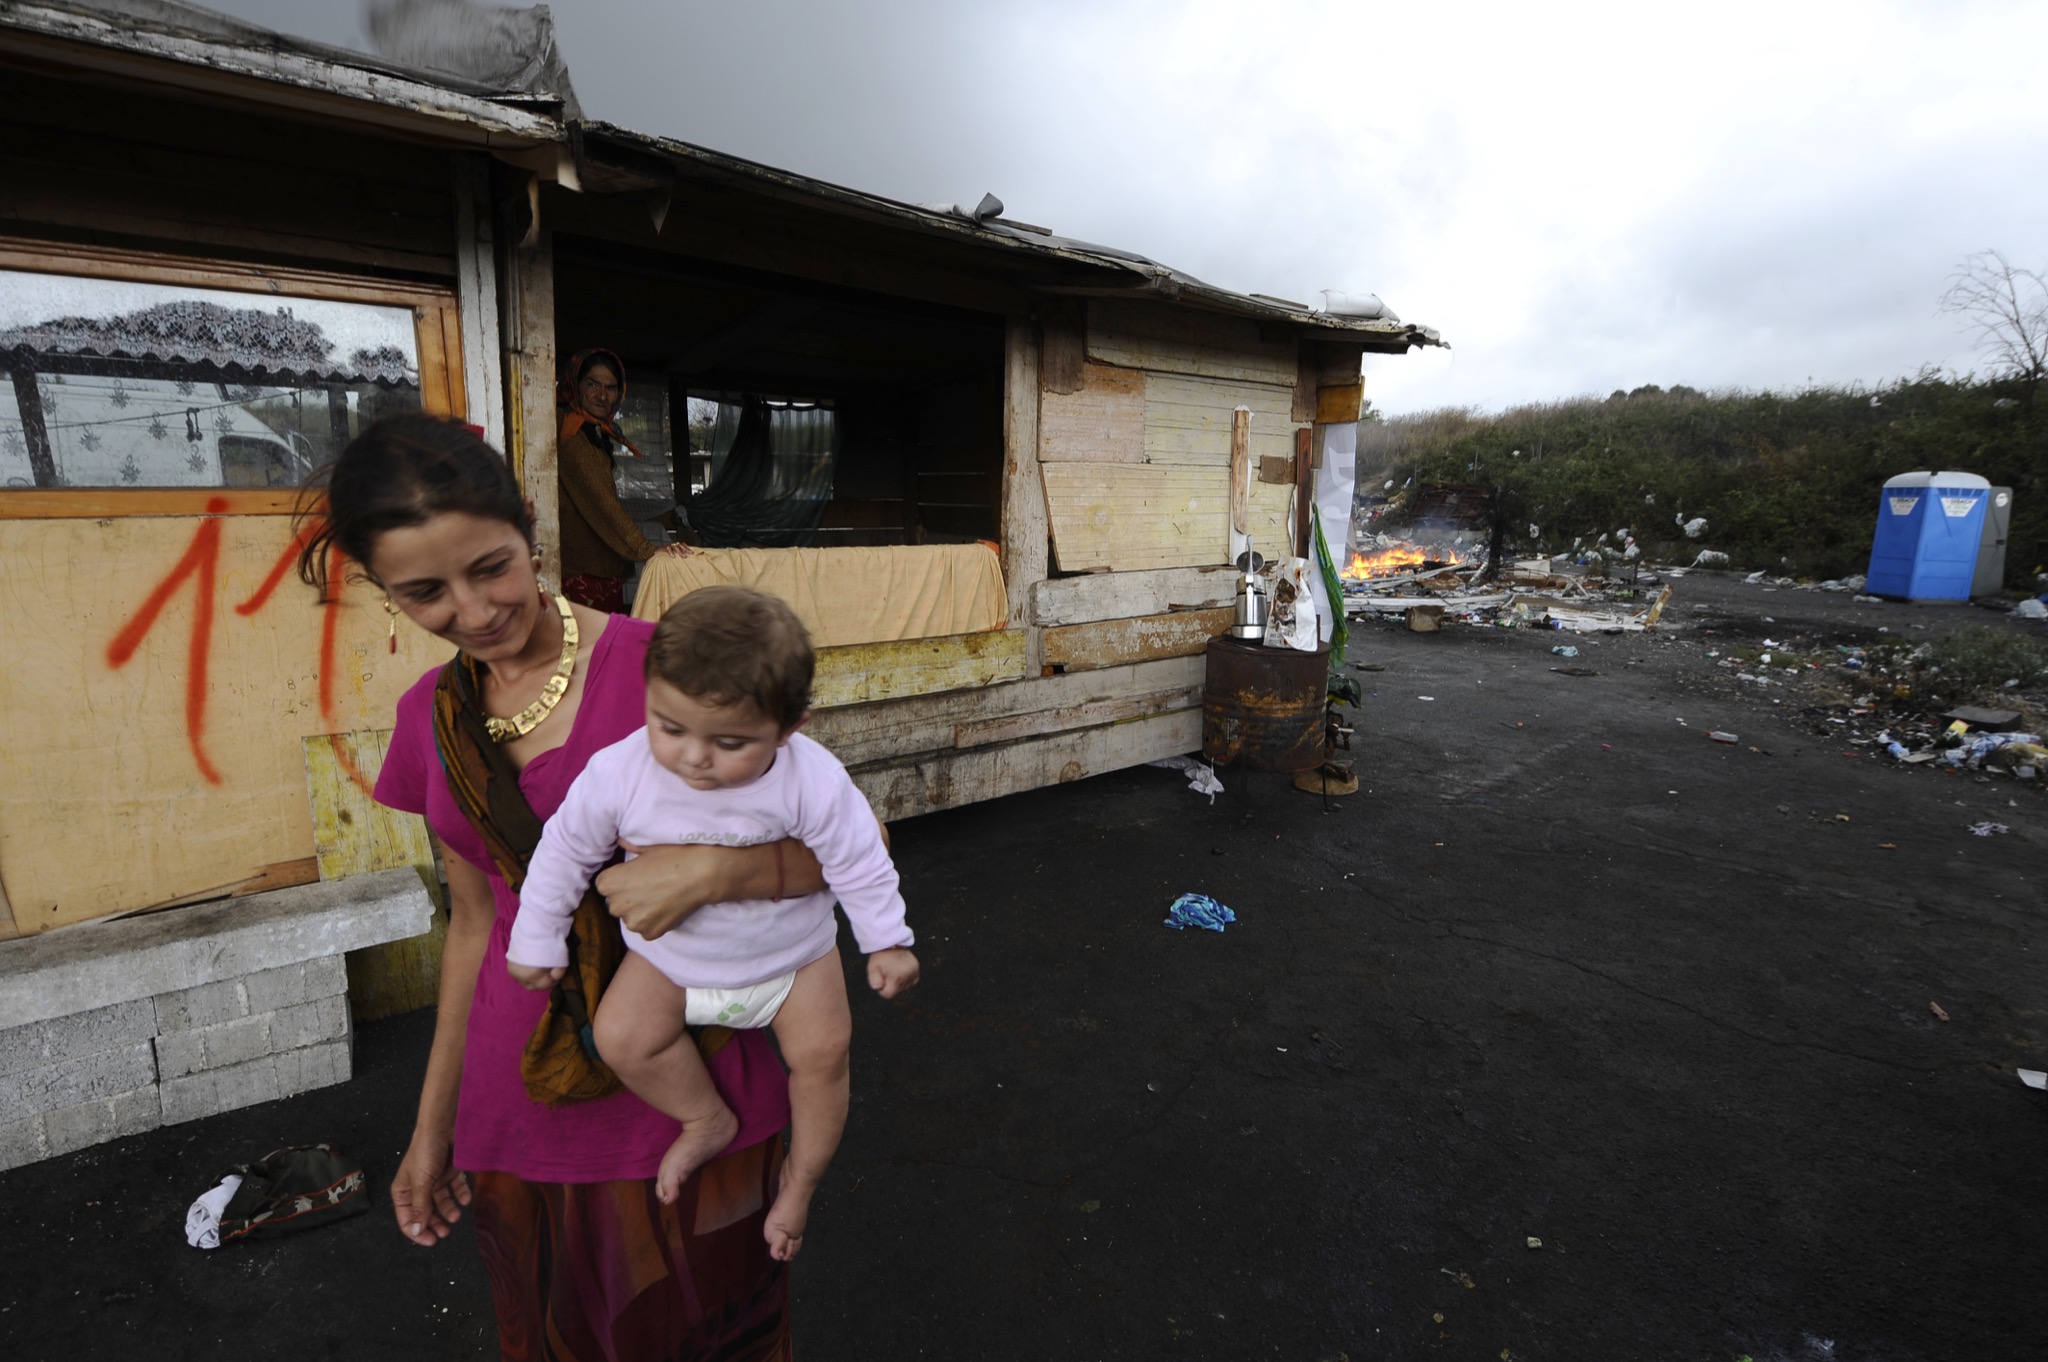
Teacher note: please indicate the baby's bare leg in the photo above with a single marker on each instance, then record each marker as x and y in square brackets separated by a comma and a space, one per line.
[814, 1029]
[640, 1033]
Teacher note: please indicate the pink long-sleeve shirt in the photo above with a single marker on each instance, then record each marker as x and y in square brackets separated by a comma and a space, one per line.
[623, 794]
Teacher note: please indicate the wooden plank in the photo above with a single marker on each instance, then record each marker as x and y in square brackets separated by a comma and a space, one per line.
[354, 835]
[1339, 405]
[1064, 322]
[924, 785]
[1240, 467]
[158, 268]
[1115, 643]
[1025, 545]
[1304, 397]
[98, 503]
[863, 672]
[530, 389]
[1124, 517]
[1122, 595]
[1086, 714]
[894, 730]
[1304, 494]
[1189, 420]
[1278, 470]
[1140, 335]
[454, 389]
[1101, 420]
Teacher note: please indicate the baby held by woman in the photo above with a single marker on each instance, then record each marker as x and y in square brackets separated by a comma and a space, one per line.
[728, 686]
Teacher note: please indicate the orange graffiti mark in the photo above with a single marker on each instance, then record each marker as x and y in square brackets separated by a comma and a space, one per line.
[203, 560]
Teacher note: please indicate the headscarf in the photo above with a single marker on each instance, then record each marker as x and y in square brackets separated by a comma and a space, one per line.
[568, 399]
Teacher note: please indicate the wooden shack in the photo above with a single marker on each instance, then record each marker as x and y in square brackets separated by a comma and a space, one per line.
[223, 251]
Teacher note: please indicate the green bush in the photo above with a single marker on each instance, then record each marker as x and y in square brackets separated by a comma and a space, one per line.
[1787, 482]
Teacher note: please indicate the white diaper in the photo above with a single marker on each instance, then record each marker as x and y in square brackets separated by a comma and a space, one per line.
[743, 1009]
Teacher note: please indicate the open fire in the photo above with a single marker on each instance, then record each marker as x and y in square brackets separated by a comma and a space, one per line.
[1400, 558]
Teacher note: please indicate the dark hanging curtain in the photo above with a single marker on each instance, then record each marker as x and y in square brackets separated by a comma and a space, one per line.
[769, 486]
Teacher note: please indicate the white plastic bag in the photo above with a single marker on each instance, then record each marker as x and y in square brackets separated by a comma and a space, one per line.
[1290, 608]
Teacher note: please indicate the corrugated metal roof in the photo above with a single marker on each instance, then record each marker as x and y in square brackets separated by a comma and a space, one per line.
[170, 34]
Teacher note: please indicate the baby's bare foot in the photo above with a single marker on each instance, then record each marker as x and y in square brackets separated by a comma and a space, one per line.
[784, 1226]
[700, 1142]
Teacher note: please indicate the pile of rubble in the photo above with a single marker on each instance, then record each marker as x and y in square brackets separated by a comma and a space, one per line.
[1529, 594]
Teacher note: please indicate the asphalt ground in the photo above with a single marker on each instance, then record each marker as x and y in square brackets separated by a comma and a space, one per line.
[1565, 970]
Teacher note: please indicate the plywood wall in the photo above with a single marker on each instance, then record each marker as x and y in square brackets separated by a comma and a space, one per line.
[1136, 458]
[152, 749]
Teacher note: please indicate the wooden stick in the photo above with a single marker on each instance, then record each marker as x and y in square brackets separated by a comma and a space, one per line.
[1240, 467]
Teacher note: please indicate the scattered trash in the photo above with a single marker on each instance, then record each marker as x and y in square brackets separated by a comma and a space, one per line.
[1424, 619]
[1841, 818]
[1887, 846]
[1425, 697]
[1565, 650]
[1198, 910]
[1988, 829]
[1937, 1010]
[1534, 1242]
[1575, 671]
[2031, 609]
[1718, 736]
[1201, 776]
[1966, 717]
[1462, 1279]
[2034, 1078]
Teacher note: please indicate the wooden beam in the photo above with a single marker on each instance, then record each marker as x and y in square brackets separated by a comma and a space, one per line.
[1025, 538]
[530, 395]
[1123, 595]
[1113, 643]
[1085, 714]
[1064, 324]
[907, 788]
[863, 672]
[101, 503]
[1305, 383]
[1304, 491]
[476, 292]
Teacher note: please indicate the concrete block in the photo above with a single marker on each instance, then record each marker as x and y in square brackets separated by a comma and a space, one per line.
[188, 1009]
[72, 1081]
[212, 1091]
[97, 964]
[290, 985]
[21, 1141]
[84, 1033]
[294, 1028]
[91, 1123]
[212, 1047]
[316, 1066]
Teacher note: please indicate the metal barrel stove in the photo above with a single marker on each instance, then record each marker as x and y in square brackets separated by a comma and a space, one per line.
[1263, 708]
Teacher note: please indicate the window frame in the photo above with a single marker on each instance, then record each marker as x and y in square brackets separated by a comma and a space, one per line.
[437, 327]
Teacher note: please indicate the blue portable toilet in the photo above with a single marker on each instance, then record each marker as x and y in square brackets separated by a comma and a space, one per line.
[1929, 527]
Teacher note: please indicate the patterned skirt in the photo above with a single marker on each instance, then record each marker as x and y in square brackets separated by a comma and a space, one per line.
[603, 1272]
[599, 593]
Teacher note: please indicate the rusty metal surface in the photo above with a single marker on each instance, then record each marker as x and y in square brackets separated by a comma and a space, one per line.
[1262, 708]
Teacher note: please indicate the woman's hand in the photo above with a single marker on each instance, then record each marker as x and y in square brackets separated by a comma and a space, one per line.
[428, 1195]
[663, 885]
[676, 550]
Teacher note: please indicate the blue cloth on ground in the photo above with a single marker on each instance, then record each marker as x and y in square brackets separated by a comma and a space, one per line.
[1198, 910]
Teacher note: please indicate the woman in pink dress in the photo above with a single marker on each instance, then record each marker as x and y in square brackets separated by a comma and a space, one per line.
[584, 1261]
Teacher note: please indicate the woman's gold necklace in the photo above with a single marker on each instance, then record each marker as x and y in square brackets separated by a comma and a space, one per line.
[528, 719]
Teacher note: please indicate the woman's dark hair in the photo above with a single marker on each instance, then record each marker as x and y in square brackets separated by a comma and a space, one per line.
[403, 470]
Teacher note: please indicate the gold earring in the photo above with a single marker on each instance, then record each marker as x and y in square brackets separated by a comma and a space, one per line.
[541, 590]
[392, 611]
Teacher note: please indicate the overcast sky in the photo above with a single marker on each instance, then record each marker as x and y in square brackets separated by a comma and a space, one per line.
[1581, 197]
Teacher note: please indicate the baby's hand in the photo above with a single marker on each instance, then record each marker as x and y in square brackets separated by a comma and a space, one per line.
[892, 971]
[535, 977]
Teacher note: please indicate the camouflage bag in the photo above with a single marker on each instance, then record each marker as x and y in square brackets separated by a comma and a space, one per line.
[296, 1188]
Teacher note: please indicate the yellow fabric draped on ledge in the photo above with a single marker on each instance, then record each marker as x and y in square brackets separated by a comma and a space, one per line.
[848, 595]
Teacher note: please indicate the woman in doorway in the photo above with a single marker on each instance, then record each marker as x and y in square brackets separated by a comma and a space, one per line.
[600, 542]
[584, 1262]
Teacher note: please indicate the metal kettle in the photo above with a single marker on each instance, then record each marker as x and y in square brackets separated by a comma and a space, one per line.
[1252, 606]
